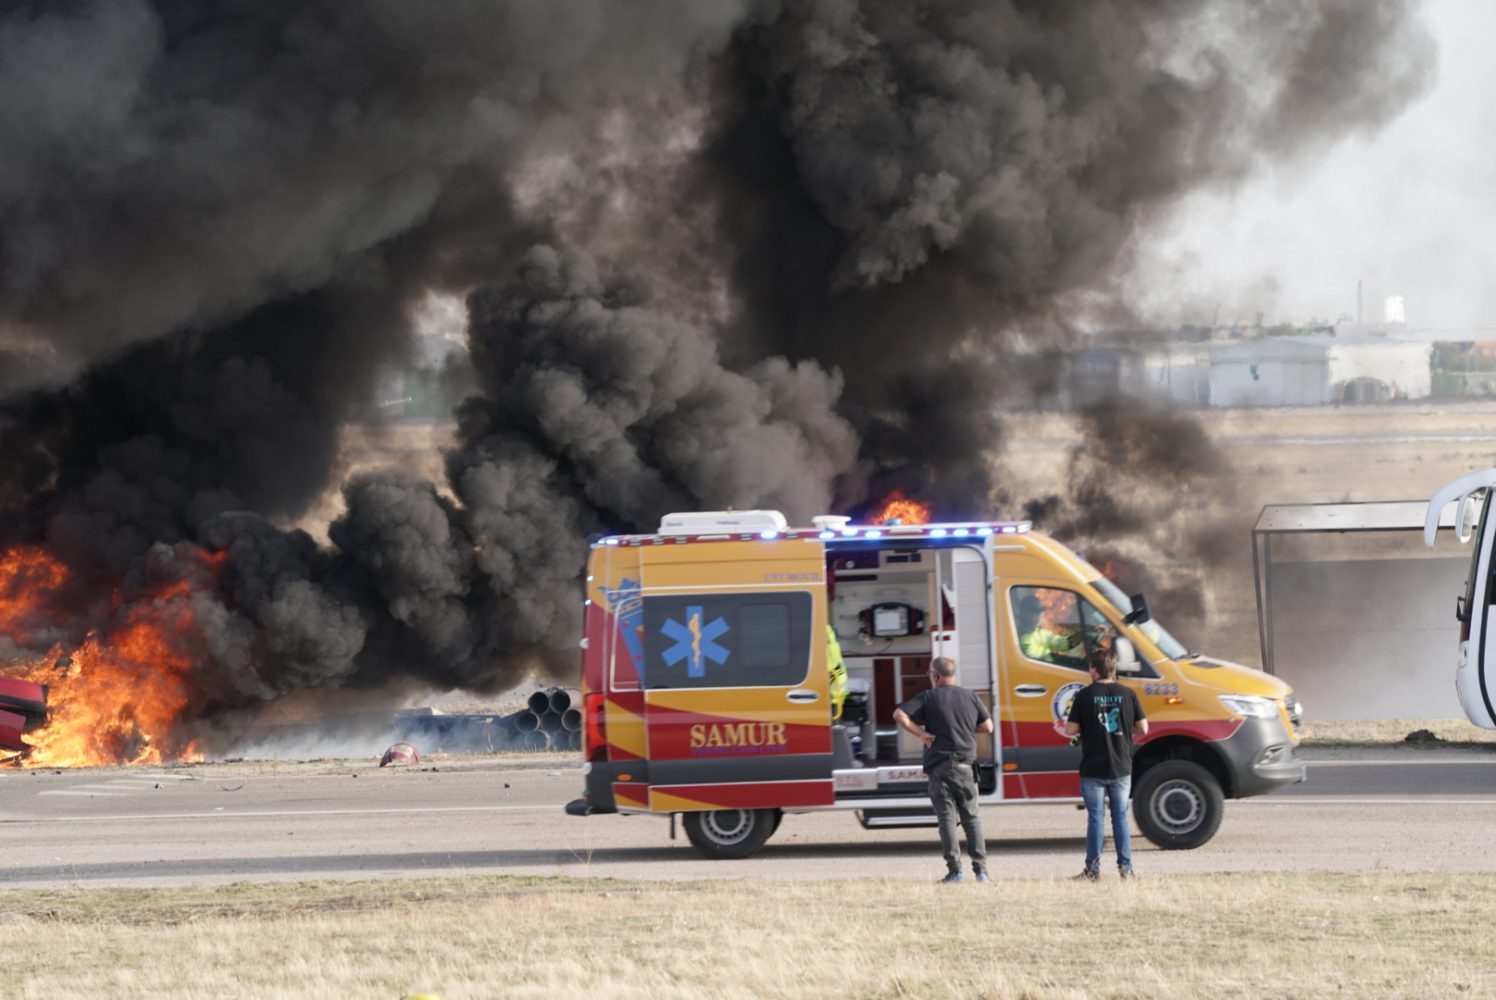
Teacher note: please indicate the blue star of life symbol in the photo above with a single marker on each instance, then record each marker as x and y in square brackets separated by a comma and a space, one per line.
[695, 641]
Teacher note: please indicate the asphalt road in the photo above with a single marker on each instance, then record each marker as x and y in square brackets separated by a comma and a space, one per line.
[1360, 811]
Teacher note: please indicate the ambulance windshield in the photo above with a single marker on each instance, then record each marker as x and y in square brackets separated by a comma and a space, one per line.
[1167, 644]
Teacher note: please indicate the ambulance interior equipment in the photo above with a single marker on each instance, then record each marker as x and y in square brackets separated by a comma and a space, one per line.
[890, 619]
[898, 597]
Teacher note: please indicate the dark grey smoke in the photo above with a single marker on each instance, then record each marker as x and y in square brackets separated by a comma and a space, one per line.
[635, 405]
[1147, 475]
[175, 165]
[715, 254]
[1133, 464]
[907, 180]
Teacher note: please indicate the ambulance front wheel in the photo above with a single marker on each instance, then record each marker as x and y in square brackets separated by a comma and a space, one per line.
[1178, 805]
[729, 834]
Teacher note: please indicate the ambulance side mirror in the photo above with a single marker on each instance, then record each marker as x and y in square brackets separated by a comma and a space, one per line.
[1127, 656]
[1139, 612]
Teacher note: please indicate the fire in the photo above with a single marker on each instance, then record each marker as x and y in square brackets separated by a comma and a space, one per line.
[1058, 605]
[118, 697]
[1118, 570]
[28, 577]
[903, 510]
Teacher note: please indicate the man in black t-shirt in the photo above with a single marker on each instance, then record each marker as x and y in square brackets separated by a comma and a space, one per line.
[1107, 716]
[947, 718]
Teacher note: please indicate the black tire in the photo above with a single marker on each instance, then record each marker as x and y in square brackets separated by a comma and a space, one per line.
[730, 834]
[1178, 805]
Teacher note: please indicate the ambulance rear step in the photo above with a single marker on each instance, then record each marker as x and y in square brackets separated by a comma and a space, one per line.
[884, 818]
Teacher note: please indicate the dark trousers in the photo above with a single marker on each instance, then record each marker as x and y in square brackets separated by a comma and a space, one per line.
[953, 793]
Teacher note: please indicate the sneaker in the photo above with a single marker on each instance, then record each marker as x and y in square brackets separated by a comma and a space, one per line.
[982, 876]
[1127, 873]
[953, 877]
[1088, 875]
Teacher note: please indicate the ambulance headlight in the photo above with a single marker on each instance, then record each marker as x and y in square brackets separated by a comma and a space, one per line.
[1250, 705]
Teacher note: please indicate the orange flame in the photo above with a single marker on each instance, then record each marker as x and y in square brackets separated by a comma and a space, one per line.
[120, 696]
[1058, 605]
[902, 509]
[1118, 571]
[28, 576]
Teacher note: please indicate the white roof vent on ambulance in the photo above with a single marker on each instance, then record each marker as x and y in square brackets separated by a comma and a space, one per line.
[707, 522]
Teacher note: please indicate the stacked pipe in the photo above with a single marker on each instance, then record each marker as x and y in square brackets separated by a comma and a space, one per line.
[550, 720]
[569, 717]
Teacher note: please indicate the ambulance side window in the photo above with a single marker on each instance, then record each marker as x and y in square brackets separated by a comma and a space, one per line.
[727, 640]
[1059, 626]
[765, 631]
[1049, 626]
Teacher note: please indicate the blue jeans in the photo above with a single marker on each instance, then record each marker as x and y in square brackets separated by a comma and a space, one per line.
[1096, 792]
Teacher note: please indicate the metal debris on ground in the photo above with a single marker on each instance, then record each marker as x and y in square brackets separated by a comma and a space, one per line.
[399, 755]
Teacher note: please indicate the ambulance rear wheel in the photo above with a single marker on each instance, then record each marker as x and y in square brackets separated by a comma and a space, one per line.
[1178, 805]
[728, 834]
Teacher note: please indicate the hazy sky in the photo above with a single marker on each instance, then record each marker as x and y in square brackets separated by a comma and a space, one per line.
[1410, 211]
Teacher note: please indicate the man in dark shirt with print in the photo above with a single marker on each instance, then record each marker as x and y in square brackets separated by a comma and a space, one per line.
[1106, 716]
[947, 718]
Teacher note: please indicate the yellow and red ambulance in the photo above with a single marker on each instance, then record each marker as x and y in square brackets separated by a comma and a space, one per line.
[704, 677]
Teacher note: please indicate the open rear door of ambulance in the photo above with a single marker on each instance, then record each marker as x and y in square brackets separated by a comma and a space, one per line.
[734, 675]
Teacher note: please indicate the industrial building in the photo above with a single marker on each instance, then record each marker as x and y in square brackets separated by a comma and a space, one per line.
[1312, 371]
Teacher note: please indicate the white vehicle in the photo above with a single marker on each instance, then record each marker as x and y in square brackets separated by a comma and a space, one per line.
[1475, 675]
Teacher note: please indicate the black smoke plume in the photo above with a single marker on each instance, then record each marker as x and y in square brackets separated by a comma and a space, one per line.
[1150, 476]
[713, 253]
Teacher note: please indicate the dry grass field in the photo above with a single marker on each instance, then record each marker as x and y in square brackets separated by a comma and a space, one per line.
[1315, 454]
[1208, 936]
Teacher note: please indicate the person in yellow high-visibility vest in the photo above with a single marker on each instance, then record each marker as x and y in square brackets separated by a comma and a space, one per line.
[838, 671]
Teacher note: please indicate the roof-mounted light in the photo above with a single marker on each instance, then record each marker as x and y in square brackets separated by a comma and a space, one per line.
[768, 535]
[873, 533]
[937, 532]
[958, 532]
[849, 532]
[984, 531]
[709, 522]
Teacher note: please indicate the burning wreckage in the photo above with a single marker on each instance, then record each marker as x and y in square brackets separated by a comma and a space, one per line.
[23, 707]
